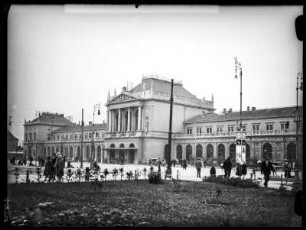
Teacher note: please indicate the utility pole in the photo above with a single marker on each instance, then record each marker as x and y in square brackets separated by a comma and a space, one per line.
[168, 172]
[82, 138]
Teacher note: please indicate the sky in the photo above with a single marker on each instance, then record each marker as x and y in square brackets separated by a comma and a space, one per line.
[62, 58]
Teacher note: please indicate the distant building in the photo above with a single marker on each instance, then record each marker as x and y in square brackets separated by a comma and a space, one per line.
[12, 142]
[50, 133]
[270, 132]
[13, 150]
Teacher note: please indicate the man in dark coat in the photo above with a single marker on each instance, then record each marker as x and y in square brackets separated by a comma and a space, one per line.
[266, 168]
[198, 166]
[227, 165]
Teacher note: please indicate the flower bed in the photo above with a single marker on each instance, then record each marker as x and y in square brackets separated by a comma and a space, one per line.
[234, 181]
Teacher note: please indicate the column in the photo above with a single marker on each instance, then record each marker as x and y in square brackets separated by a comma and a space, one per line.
[109, 120]
[129, 118]
[139, 117]
[119, 120]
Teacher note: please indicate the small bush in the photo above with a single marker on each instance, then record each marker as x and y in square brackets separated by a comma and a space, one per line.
[155, 177]
[247, 183]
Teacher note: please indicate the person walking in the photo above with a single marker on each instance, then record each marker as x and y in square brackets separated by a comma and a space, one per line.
[213, 171]
[227, 165]
[48, 169]
[159, 164]
[184, 164]
[266, 168]
[243, 169]
[287, 170]
[198, 166]
[59, 167]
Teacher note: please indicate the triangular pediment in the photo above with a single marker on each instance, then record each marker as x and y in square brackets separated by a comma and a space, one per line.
[122, 97]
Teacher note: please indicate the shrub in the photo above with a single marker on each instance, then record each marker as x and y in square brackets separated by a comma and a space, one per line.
[243, 183]
[129, 175]
[115, 173]
[155, 177]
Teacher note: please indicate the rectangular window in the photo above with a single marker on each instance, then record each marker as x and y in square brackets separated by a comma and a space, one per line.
[243, 128]
[189, 130]
[199, 131]
[34, 136]
[285, 125]
[256, 128]
[209, 130]
[230, 129]
[97, 135]
[58, 137]
[30, 136]
[26, 137]
[219, 129]
[269, 128]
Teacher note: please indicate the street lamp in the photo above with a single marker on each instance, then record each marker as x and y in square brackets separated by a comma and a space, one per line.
[299, 86]
[239, 149]
[239, 67]
[96, 108]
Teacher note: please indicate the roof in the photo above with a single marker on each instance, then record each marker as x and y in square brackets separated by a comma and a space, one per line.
[51, 119]
[246, 115]
[11, 136]
[156, 88]
[78, 128]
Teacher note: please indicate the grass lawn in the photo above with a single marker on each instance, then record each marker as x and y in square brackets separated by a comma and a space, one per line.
[139, 203]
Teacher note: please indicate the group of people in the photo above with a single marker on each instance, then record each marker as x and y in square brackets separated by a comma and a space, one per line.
[54, 167]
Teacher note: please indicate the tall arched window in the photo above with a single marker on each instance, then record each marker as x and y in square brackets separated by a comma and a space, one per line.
[99, 153]
[291, 152]
[232, 151]
[209, 151]
[267, 151]
[248, 152]
[188, 152]
[179, 152]
[71, 153]
[112, 151]
[199, 151]
[221, 151]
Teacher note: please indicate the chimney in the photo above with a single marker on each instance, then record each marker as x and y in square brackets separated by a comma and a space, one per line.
[253, 108]
[248, 108]
[224, 110]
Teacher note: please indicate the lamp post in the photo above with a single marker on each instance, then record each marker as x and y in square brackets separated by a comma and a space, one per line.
[96, 108]
[168, 156]
[240, 135]
[299, 86]
[82, 130]
[239, 67]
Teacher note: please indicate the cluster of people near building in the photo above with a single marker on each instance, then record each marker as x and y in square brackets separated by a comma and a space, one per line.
[54, 167]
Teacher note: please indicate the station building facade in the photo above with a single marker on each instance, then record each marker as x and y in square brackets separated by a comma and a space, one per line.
[138, 126]
[139, 119]
[269, 132]
[51, 133]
